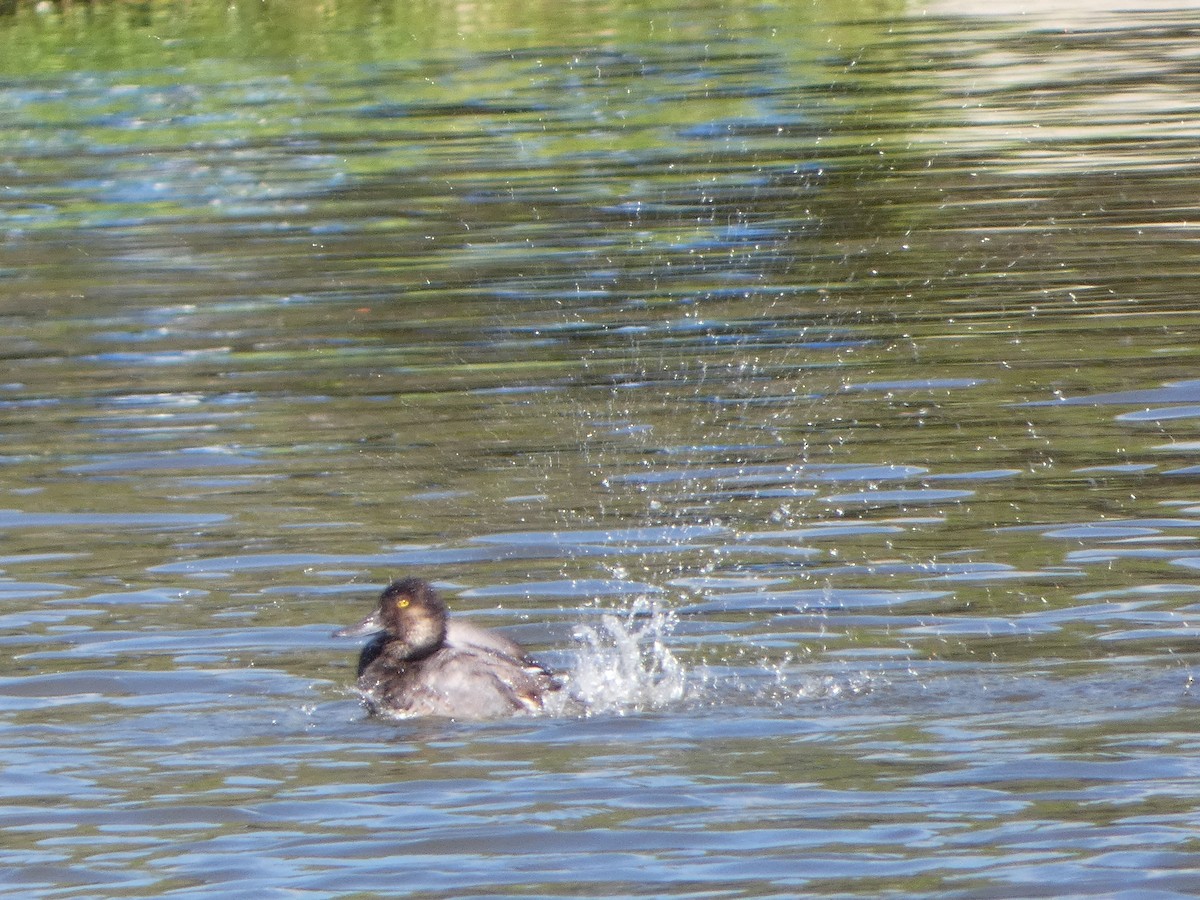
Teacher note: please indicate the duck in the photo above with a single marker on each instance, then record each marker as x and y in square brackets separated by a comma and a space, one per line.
[422, 662]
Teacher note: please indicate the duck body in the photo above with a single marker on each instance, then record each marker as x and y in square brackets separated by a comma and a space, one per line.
[422, 663]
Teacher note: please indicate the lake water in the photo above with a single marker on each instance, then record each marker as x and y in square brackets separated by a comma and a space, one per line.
[816, 382]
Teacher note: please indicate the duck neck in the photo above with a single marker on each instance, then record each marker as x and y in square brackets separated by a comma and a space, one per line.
[422, 637]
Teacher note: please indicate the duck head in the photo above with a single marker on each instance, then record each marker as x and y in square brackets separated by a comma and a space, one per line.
[411, 613]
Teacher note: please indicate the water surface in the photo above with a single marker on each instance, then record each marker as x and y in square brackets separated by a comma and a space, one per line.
[816, 384]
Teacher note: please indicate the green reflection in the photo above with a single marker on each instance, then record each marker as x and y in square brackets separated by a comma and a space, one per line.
[45, 38]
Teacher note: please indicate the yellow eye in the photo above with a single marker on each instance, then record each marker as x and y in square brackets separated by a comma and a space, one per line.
[402, 602]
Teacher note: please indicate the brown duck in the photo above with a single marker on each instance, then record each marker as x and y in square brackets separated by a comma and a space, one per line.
[422, 663]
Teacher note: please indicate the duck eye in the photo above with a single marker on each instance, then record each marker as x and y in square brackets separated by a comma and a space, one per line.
[402, 602]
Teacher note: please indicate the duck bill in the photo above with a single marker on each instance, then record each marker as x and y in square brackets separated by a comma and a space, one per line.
[369, 625]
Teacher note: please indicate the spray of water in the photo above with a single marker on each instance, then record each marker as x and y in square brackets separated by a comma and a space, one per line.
[623, 663]
[784, 686]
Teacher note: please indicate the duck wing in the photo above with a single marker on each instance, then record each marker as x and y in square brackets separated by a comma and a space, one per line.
[464, 635]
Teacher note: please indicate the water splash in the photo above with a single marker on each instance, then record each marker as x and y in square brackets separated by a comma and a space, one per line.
[624, 664]
[781, 686]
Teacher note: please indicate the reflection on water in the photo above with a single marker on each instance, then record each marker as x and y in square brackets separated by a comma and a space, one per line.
[815, 384]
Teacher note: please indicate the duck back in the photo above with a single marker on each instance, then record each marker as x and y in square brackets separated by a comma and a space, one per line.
[456, 682]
